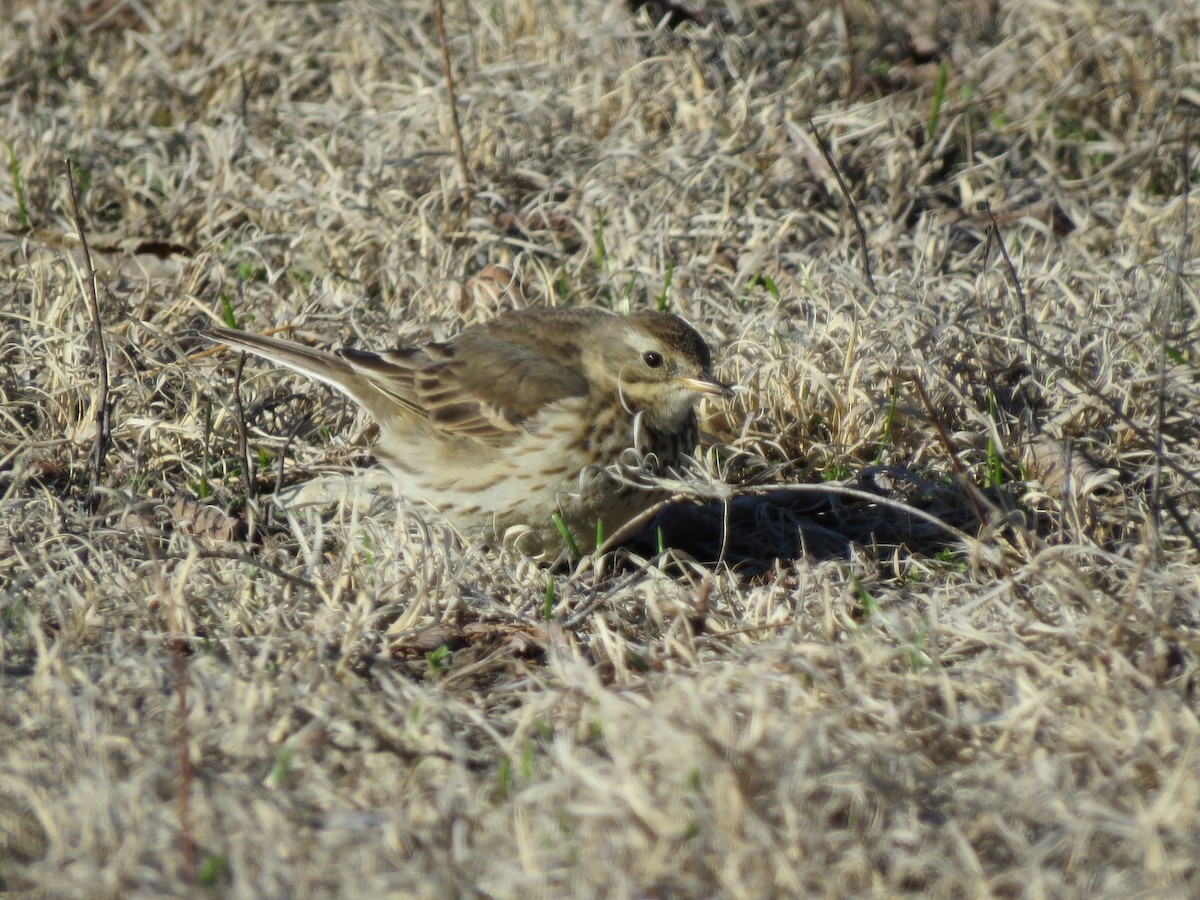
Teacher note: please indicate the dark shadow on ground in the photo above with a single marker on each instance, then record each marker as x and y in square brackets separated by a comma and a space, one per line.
[885, 508]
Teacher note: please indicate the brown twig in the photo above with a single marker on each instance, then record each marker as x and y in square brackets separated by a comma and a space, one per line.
[175, 627]
[239, 414]
[987, 246]
[858, 225]
[103, 421]
[944, 434]
[1185, 236]
[852, 72]
[975, 497]
[1160, 407]
[284, 451]
[1012, 271]
[1116, 409]
[186, 837]
[243, 438]
[464, 172]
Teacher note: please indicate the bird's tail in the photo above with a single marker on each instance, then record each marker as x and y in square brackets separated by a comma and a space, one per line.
[319, 364]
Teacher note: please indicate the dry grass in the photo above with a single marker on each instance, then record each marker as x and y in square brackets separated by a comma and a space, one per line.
[865, 705]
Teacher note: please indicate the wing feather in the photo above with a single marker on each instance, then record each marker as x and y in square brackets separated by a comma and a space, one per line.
[477, 387]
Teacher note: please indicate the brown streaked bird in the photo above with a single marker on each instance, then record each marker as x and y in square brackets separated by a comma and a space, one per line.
[531, 414]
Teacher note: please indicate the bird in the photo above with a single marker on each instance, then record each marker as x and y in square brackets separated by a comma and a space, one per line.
[539, 421]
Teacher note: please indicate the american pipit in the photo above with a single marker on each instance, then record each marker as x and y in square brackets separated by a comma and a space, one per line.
[536, 413]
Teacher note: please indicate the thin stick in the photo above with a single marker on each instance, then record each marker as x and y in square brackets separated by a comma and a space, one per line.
[1012, 271]
[1181, 521]
[1149, 439]
[976, 497]
[239, 412]
[858, 225]
[1160, 411]
[852, 72]
[176, 628]
[971, 491]
[103, 422]
[464, 173]
[186, 837]
[243, 558]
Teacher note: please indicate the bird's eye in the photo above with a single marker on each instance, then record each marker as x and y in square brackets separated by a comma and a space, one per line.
[652, 359]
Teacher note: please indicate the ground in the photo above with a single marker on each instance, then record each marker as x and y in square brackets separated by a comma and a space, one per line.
[926, 621]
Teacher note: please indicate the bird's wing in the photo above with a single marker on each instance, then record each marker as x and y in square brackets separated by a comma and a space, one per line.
[476, 387]
[391, 377]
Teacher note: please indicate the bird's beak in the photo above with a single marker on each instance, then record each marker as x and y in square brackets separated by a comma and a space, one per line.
[706, 384]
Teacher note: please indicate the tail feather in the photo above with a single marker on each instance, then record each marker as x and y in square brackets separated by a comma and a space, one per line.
[319, 364]
[383, 384]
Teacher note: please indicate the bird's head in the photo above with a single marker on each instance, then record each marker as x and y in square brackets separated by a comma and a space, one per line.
[658, 365]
